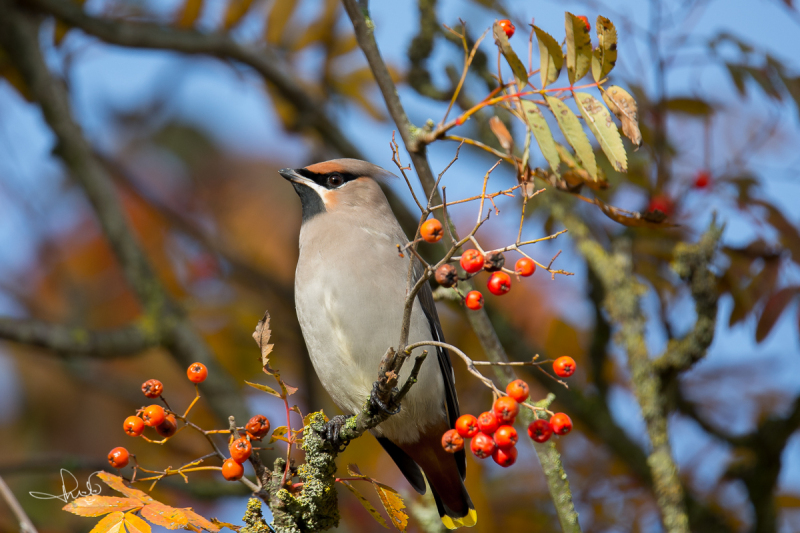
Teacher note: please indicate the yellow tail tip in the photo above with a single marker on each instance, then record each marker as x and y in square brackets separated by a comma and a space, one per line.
[465, 521]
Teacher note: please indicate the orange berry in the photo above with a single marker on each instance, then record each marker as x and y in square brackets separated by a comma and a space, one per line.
[197, 372]
[257, 427]
[540, 430]
[487, 422]
[561, 424]
[231, 470]
[467, 426]
[505, 458]
[452, 442]
[153, 415]
[494, 261]
[133, 426]
[241, 450]
[168, 427]
[499, 283]
[431, 231]
[446, 275]
[564, 366]
[118, 457]
[152, 388]
[585, 20]
[505, 437]
[505, 409]
[474, 300]
[472, 261]
[525, 267]
[518, 390]
[507, 27]
[482, 445]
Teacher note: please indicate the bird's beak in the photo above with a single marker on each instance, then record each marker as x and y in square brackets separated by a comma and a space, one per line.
[292, 175]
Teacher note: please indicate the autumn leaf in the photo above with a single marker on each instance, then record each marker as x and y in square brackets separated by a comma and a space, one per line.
[605, 55]
[519, 70]
[99, 505]
[189, 13]
[134, 524]
[261, 336]
[624, 107]
[773, 310]
[116, 483]
[278, 434]
[164, 515]
[551, 58]
[579, 48]
[501, 132]
[199, 522]
[264, 388]
[113, 523]
[393, 504]
[573, 131]
[597, 117]
[368, 506]
[237, 9]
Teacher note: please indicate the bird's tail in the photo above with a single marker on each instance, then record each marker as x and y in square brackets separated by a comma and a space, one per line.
[451, 518]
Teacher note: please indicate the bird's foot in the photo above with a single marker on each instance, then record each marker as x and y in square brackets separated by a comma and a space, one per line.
[378, 405]
[333, 428]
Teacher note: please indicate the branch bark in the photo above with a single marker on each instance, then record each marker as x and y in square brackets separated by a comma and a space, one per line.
[548, 455]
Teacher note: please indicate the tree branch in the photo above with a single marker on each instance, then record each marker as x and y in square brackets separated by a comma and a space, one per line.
[129, 340]
[548, 455]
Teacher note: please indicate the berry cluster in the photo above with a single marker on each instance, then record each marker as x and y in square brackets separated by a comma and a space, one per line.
[493, 433]
[165, 423]
[474, 261]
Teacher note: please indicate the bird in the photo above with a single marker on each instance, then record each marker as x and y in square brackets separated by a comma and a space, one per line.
[350, 290]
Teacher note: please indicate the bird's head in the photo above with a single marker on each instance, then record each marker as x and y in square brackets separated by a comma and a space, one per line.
[337, 185]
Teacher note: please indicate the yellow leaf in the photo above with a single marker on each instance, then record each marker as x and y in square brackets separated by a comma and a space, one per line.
[110, 524]
[99, 505]
[579, 48]
[116, 483]
[573, 131]
[368, 506]
[353, 470]
[278, 19]
[307, 418]
[237, 9]
[622, 104]
[264, 388]
[551, 58]
[541, 131]
[605, 55]
[190, 13]
[597, 117]
[134, 524]
[199, 522]
[393, 504]
[278, 434]
[164, 515]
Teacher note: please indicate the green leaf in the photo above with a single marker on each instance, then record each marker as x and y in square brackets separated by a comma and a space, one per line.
[517, 67]
[624, 107]
[551, 58]
[604, 129]
[368, 506]
[572, 130]
[604, 56]
[544, 137]
[579, 48]
[265, 388]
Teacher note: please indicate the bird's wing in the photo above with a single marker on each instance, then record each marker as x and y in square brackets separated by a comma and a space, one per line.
[428, 305]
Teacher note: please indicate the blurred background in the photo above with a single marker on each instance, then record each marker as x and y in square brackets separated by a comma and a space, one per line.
[193, 143]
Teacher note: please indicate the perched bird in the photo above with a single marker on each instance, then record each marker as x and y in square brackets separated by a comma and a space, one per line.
[350, 288]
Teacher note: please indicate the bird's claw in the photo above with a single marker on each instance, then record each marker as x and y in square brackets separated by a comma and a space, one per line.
[333, 428]
[377, 404]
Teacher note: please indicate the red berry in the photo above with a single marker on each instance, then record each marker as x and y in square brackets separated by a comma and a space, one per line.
[231, 470]
[488, 423]
[507, 27]
[152, 388]
[494, 261]
[241, 450]
[525, 267]
[168, 427]
[467, 426]
[118, 457]
[505, 458]
[561, 424]
[499, 283]
[452, 442]
[506, 409]
[505, 437]
[153, 415]
[446, 275]
[482, 445]
[702, 180]
[472, 261]
[518, 390]
[585, 20]
[661, 203]
[564, 366]
[197, 372]
[431, 231]
[474, 300]
[133, 426]
[540, 430]
[257, 427]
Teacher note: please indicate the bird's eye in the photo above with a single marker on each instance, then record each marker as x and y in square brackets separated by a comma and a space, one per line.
[334, 180]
